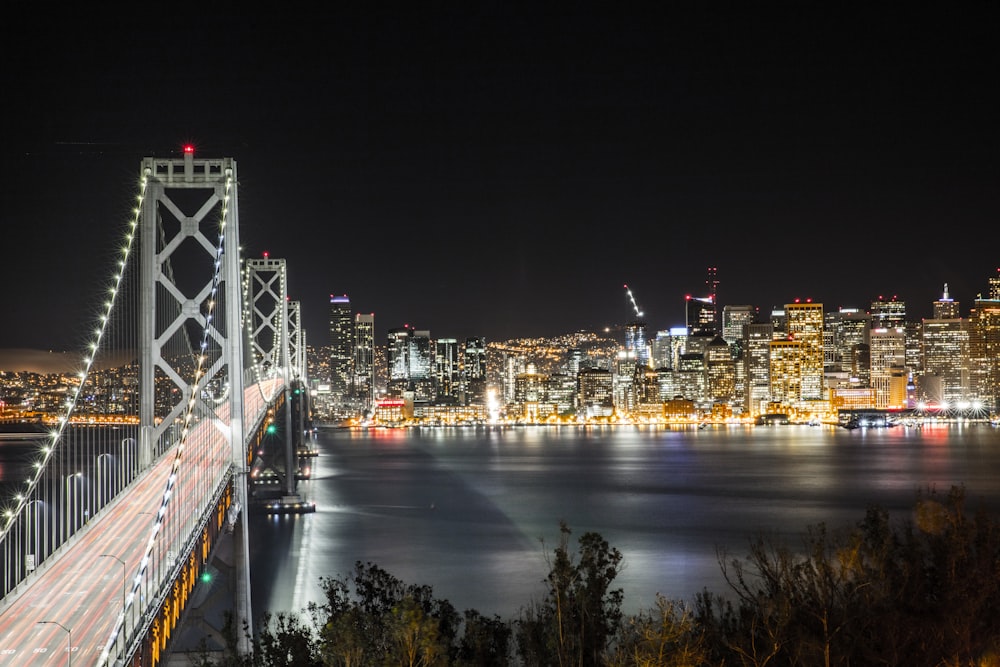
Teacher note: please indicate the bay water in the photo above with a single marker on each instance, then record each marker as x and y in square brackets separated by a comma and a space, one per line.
[475, 512]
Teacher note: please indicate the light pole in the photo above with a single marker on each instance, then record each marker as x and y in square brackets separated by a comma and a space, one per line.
[124, 582]
[69, 641]
[124, 575]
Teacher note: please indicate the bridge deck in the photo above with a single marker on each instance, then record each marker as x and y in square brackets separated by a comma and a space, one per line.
[73, 603]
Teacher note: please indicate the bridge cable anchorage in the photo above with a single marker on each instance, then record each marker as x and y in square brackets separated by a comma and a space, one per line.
[198, 383]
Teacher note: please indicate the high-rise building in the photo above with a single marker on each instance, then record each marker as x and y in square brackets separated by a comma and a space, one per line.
[805, 325]
[733, 320]
[422, 366]
[636, 342]
[984, 353]
[888, 366]
[847, 342]
[364, 360]
[447, 370]
[341, 347]
[474, 371]
[720, 372]
[596, 392]
[700, 315]
[785, 371]
[888, 313]
[944, 378]
[398, 360]
[757, 365]
[946, 308]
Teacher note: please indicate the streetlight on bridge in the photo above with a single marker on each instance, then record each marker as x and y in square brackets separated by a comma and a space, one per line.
[70, 505]
[33, 507]
[69, 640]
[124, 582]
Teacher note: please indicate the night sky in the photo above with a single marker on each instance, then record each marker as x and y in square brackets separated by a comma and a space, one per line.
[503, 170]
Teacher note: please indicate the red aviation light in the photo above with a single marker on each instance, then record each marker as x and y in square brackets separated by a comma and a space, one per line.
[189, 149]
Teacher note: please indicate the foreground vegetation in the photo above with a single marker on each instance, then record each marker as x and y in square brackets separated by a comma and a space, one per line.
[919, 591]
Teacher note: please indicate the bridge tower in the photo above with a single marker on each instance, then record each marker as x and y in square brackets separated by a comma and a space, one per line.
[191, 318]
[277, 343]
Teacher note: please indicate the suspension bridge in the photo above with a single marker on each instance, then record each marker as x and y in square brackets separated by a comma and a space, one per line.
[195, 359]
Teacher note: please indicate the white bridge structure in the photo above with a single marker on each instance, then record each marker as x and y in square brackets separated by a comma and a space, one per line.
[146, 468]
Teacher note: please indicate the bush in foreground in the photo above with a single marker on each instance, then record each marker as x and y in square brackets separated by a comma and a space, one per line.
[922, 591]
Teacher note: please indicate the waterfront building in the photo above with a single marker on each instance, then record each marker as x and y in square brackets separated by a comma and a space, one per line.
[341, 347]
[474, 371]
[398, 360]
[560, 391]
[422, 366]
[805, 325]
[944, 378]
[624, 376]
[785, 372]
[530, 402]
[447, 370]
[690, 380]
[720, 372]
[845, 342]
[595, 388]
[888, 366]
[363, 388]
[757, 366]
[984, 352]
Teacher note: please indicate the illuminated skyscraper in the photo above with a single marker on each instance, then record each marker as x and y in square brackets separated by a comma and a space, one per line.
[946, 308]
[757, 365]
[398, 360]
[474, 371]
[341, 347]
[805, 325]
[447, 370]
[636, 342]
[888, 366]
[847, 343]
[700, 315]
[422, 366]
[984, 352]
[888, 314]
[785, 371]
[734, 318]
[364, 359]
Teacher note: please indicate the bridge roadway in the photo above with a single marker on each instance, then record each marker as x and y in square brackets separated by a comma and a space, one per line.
[65, 616]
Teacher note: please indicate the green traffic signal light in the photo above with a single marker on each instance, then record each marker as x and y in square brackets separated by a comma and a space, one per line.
[206, 576]
[271, 428]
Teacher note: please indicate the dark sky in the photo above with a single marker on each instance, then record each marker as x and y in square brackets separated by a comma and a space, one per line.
[503, 170]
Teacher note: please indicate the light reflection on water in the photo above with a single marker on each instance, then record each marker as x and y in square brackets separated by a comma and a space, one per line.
[466, 511]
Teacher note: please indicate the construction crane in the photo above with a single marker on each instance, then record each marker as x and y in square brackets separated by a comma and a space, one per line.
[635, 306]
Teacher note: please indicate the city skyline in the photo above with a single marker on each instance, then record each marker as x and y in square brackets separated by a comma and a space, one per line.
[480, 171]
